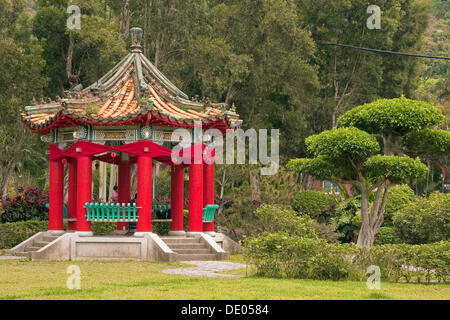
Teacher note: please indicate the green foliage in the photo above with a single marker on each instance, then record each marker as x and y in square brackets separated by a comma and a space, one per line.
[275, 218]
[313, 203]
[353, 77]
[344, 222]
[282, 255]
[103, 228]
[386, 235]
[29, 204]
[11, 234]
[321, 167]
[343, 143]
[424, 221]
[398, 198]
[392, 116]
[244, 191]
[431, 143]
[163, 228]
[395, 169]
[327, 232]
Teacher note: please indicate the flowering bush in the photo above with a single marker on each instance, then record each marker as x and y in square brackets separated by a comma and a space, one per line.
[28, 204]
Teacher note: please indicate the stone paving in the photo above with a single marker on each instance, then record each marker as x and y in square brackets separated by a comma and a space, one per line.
[207, 269]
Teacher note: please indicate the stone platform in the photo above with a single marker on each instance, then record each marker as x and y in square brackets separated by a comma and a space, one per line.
[147, 247]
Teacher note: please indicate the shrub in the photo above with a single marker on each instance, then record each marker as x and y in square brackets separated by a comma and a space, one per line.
[424, 221]
[275, 218]
[283, 255]
[163, 228]
[398, 197]
[29, 204]
[385, 235]
[11, 234]
[103, 228]
[313, 203]
[327, 232]
[348, 219]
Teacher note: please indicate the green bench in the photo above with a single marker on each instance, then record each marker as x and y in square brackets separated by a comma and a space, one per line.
[209, 212]
[111, 212]
[66, 213]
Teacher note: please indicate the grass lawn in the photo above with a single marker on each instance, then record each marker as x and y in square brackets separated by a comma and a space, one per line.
[144, 280]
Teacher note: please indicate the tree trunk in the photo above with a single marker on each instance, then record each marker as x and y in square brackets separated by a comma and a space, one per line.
[69, 59]
[7, 173]
[133, 180]
[102, 182]
[112, 181]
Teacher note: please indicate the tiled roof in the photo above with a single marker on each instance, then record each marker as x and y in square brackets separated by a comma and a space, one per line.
[134, 91]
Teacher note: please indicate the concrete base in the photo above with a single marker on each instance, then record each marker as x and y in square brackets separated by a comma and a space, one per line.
[84, 233]
[177, 233]
[71, 246]
[227, 244]
[193, 234]
[141, 234]
[119, 232]
[211, 234]
[56, 232]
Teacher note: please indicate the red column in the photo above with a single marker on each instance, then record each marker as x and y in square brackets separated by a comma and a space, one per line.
[72, 201]
[56, 197]
[176, 201]
[84, 193]
[195, 198]
[208, 193]
[144, 194]
[124, 188]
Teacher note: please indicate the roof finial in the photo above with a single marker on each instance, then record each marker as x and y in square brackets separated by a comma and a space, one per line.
[136, 38]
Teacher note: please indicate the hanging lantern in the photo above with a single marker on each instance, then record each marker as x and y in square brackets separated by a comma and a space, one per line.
[113, 155]
[64, 161]
[97, 165]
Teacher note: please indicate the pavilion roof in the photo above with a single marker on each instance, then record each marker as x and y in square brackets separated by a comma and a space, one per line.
[133, 92]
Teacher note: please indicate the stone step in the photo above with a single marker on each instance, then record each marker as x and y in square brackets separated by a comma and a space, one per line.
[191, 257]
[186, 246]
[181, 240]
[49, 238]
[40, 244]
[29, 249]
[22, 254]
[192, 251]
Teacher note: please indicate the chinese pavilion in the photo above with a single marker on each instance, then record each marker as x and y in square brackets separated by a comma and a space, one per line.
[127, 117]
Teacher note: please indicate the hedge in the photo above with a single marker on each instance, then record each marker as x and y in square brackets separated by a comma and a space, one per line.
[288, 256]
[13, 233]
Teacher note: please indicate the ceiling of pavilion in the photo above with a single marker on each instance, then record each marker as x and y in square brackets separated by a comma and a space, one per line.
[133, 92]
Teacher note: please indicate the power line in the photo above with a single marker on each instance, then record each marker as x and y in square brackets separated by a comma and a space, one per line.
[382, 51]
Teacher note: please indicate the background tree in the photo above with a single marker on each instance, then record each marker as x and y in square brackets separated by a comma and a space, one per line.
[76, 56]
[21, 80]
[351, 77]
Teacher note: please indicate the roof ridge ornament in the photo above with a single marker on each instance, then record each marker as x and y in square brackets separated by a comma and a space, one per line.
[136, 38]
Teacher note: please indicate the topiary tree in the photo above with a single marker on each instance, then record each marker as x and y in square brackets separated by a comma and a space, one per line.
[313, 203]
[405, 126]
[350, 155]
